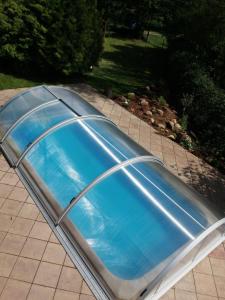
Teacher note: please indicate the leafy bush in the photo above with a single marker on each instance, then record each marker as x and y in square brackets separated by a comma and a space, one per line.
[50, 35]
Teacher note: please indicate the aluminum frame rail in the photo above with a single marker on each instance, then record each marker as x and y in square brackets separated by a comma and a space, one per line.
[103, 176]
[26, 115]
[55, 127]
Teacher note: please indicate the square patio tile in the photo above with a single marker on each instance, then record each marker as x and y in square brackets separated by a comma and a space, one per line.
[5, 190]
[184, 295]
[170, 295]
[54, 253]
[7, 262]
[70, 280]
[20, 184]
[33, 248]
[85, 289]
[10, 178]
[205, 297]
[204, 267]
[68, 262]
[88, 297]
[12, 244]
[2, 200]
[4, 167]
[53, 238]
[186, 283]
[21, 226]
[65, 295]
[205, 284]
[15, 290]
[41, 231]
[220, 285]
[29, 200]
[218, 266]
[29, 211]
[47, 274]
[38, 292]
[11, 207]
[5, 222]
[18, 194]
[3, 281]
[25, 269]
[2, 236]
[219, 252]
[1, 174]
[40, 218]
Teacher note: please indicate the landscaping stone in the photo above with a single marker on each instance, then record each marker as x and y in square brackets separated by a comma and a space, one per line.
[144, 103]
[152, 120]
[178, 127]
[162, 126]
[160, 112]
[172, 137]
[148, 113]
[171, 125]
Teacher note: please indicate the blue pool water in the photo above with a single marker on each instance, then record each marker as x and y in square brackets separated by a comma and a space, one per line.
[131, 225]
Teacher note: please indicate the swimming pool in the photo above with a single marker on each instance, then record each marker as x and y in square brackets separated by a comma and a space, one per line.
[131, 226]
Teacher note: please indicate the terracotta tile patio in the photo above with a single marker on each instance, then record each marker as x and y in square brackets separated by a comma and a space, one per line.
[34, 266]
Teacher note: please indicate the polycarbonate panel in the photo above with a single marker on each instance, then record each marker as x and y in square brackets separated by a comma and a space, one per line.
[131, 226]
[74, 100]
[74, 155]
[39, 121]
[113, 136]
[20, 105]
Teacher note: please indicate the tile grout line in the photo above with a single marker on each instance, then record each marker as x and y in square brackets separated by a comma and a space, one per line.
[31, 283]
[17, 256]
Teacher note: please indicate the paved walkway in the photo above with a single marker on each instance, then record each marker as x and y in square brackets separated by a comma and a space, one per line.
[34, 266]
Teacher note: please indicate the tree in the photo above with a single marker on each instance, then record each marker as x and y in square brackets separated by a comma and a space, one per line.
[50, 35]
[129, 14]
[196, 54]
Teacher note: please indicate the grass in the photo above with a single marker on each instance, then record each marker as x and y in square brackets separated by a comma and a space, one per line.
[10, 82]
[126, 65]
[129, 64]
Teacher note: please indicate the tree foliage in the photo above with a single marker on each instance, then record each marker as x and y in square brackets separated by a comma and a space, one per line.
[132, 16]
[196, 54]
[50, 35]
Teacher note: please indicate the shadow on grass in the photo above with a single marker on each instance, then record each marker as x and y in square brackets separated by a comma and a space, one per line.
[129, 67]
[17, 77]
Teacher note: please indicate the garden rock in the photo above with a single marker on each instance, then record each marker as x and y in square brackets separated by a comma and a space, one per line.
[178, 127]
[161, 126]
[171, 125]
[160, 112]
[172, 137]
[144, 103]
[148, 113]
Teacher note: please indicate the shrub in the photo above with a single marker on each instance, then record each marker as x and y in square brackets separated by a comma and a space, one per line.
[50, 35]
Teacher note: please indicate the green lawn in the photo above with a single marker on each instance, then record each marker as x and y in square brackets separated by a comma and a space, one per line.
[10, 82]
[128, 64]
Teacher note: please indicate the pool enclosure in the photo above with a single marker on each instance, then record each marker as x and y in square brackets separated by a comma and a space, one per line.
[131, 227]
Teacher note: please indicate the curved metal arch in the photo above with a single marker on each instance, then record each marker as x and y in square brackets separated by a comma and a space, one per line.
[26, 115]
[103, 176]
[19, 95]
[55, 127]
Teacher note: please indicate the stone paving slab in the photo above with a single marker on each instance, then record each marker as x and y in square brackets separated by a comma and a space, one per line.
[33, 264]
